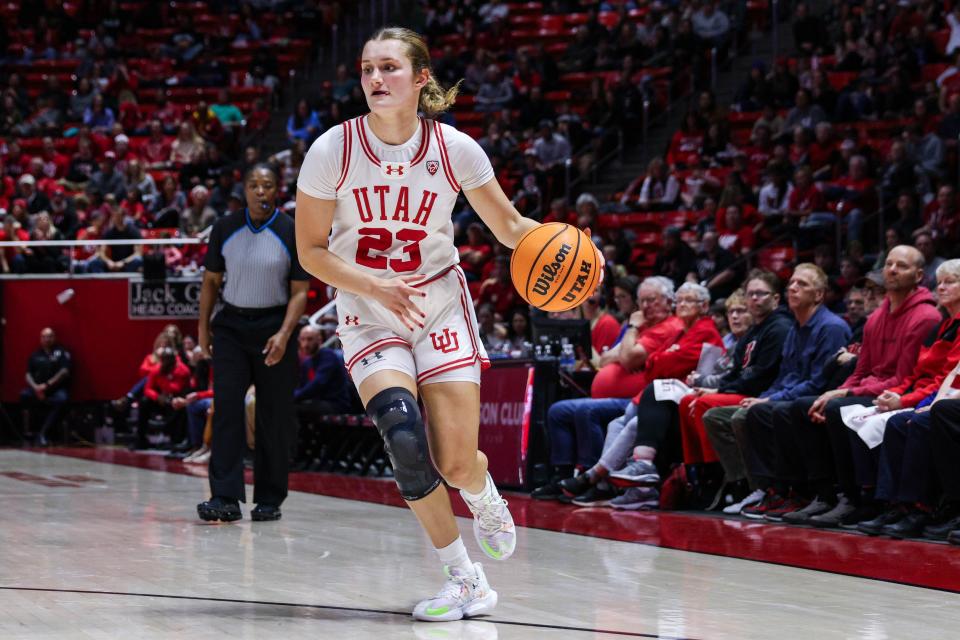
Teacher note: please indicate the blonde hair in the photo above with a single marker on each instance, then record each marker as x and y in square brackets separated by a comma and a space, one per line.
[819, 276]
[434, 99]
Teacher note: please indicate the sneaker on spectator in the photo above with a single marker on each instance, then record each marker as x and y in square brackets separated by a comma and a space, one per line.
[636, 473]
[549, 491]
[945, 520]
[858, 515]
[815, 508]
[575, 486]
[771, 500]
[831, 518]
[598, 495]
[462, 596]
[874, 526]
[792, 503]
[637, 498]
[753, 498]
[954, 537]
[910, 526]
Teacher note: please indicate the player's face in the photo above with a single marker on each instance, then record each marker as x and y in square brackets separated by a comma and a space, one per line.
[387, 76]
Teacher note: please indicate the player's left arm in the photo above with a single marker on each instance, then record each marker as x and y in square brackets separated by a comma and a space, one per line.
[497, 212]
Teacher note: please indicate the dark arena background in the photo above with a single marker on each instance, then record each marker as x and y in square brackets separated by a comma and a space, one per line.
[750, 429]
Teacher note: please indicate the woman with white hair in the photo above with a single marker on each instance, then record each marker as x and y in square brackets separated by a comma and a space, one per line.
[199, 215]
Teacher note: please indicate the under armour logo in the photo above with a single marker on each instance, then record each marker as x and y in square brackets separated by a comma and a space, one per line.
[348, 320]
[432, 167]
[446, 342]
[376, 356]
[393, 170]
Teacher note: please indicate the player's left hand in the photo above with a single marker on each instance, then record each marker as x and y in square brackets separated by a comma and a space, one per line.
[276, 346]
[601, 261]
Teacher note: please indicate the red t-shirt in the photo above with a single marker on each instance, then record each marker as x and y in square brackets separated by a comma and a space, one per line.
[502, 296]
[614, 381]
[175, 383]
[9, 252]
[809, 199]
[604, 333]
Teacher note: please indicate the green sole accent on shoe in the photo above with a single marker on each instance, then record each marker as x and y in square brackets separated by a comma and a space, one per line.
[490, 551]
[437, 611]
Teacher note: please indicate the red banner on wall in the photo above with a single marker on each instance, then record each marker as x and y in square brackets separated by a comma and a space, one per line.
[505, 419]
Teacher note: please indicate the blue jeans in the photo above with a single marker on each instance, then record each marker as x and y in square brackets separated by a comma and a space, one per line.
[197, 420]
[906, 472]
[576, 428]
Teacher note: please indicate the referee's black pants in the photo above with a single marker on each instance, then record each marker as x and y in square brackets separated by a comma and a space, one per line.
[238, 362]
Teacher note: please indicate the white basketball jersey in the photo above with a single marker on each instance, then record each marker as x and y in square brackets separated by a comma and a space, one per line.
[394, 203]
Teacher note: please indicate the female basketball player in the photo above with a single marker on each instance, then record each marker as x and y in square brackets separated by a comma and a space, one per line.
[374, 204]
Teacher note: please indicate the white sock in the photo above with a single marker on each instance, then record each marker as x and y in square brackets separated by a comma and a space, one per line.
[454, 555]
[488, 489]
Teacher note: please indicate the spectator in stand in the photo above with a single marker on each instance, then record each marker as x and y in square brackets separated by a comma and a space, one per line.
[497, 143]
[926, 150]
[496, 91]
[45, 259]
[98, 116]
[156, 149]
[63, 213]
[475, 252]
[941, 219]
[229, 114]
[199, 215]
[891, 342]
[36, 200]
[755, 91]
[498, 290]
[187, 147]
[809, 34]
[715, 267]
[323, 386]
[652, 426]
[13, 259]
[805, 112]
[493, 11]
[55, 164]
[165, 394]
[81, 101]
[138, 178]
[931, 261]
[711, 24]
[48, 376]
[675, 259]
[899, 174]
[304, 124]
[169, 204]
[735, 236]
[660, 188]
[621, 376]
[107, 181]
[519, 335]
[343, 84]
[124, 258]
[492, 333]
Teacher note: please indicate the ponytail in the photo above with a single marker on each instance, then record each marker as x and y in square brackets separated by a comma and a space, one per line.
[434, 100]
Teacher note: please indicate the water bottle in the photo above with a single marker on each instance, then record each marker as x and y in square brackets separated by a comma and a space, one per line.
[567, 360]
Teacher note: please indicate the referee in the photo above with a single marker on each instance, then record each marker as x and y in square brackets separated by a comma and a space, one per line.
[252, 267]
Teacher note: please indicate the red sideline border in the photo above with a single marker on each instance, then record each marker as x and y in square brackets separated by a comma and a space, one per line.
[912, 563]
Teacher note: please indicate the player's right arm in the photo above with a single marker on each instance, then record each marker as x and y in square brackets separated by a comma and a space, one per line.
[314, 220]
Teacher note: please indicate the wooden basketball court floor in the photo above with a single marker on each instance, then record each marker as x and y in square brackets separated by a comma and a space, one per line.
[106, 544]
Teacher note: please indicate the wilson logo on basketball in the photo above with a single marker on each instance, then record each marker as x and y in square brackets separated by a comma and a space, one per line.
[550, 271]
[432, 167]
[579, 283]
[446, 342]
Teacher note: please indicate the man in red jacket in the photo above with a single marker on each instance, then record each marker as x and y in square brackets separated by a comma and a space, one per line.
[892, 339]
[164, 394]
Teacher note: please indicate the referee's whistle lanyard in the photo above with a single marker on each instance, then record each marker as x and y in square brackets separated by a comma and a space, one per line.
[255, 228]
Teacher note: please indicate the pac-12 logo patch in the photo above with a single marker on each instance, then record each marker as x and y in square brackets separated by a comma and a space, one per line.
[395, 170]
[432, 167]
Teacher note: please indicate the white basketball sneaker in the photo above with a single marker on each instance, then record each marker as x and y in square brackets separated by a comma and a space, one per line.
[462, 596]
[492, 523]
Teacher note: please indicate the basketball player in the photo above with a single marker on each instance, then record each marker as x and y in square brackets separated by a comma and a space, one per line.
[374, 204]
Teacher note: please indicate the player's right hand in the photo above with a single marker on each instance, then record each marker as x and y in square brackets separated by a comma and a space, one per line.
[397, 294]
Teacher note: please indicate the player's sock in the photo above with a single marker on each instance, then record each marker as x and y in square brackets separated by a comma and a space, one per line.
[489, 489]
[454, 555]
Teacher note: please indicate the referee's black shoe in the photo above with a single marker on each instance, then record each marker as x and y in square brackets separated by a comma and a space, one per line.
[265, 512]
[217, 508]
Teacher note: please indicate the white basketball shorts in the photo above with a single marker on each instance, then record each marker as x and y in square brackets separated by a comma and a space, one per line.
[446, 349]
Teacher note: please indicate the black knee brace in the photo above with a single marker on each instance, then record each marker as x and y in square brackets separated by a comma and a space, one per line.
[397, 416]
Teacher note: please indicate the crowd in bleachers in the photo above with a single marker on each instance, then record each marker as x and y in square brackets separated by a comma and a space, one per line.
[126, 120]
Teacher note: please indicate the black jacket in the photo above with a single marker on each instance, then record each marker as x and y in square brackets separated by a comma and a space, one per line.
[756, 361]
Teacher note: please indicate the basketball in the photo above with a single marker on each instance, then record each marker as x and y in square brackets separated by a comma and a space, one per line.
[555, 266]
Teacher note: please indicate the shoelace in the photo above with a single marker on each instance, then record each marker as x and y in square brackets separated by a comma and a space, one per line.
[454, 588]
[490, 514]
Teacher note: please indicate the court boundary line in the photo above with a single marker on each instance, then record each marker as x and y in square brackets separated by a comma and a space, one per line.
[329, 607]
[830, 571]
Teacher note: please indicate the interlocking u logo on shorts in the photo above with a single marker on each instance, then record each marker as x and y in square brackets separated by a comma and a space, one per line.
[446, 342]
